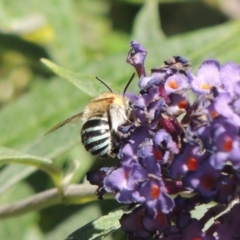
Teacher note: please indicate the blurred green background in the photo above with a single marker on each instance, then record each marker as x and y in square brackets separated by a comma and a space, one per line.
[89, 37]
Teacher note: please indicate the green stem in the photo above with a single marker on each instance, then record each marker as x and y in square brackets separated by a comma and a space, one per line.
[72, 194]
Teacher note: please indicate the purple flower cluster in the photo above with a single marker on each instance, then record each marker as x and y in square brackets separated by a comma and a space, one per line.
[179, 153]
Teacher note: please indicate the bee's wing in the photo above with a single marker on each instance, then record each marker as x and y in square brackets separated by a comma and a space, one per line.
[61, 124]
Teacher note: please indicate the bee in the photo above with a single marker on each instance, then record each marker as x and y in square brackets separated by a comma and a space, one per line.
[100, 121]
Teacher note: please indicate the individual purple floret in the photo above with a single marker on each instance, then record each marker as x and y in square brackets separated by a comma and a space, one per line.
[208, 75]
[136, 57]
[175, 154]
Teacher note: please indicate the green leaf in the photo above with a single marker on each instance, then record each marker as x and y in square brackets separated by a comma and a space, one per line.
[72, 169]
[85, 83]
[9, 156]
[163, 1]
[99, 228]
[147, 24]
[86, 213]
[24, 122]
[12, 174]
[67, 47]
[56, 27]
[50, 146]
[20, 226]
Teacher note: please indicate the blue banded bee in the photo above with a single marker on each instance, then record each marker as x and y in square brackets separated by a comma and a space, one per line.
[101, 119]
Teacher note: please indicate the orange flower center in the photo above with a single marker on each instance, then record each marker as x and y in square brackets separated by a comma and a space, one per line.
[227, 144]
[158, 154]
[208, 182]
[155, 191]
[161, 219]
[214, 114]
[172, 84]
[182, 104]
[192, 164]
[126, 174]
[206, 86]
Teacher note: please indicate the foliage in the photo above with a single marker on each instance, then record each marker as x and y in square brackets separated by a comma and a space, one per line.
[81, 36]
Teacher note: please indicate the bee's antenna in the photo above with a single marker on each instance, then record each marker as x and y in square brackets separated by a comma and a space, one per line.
[130, 80]
[100, 80]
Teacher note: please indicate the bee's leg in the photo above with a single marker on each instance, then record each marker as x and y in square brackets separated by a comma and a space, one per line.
[115, 139]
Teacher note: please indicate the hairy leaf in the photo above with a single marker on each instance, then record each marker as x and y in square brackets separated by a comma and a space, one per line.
[9, 156]
[99, 228]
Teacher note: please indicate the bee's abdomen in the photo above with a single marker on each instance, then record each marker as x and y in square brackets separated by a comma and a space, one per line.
[96, 137]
